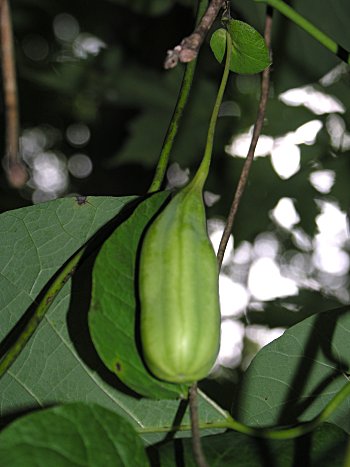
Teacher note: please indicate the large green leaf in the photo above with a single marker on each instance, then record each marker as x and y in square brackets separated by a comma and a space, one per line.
[36, 241]
[292, 379]
[113, 311]
[69, 436]
[59, 364]
[325, 447]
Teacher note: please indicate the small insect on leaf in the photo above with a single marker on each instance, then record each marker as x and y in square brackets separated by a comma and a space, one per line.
[81, 200]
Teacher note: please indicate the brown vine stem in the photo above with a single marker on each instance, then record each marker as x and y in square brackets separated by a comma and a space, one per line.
[265, 84]
[196, 440]
[15, 169]
[189, 47]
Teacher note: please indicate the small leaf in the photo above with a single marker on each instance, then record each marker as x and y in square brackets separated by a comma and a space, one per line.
[112, 313]
[71, 435]
[249, 52]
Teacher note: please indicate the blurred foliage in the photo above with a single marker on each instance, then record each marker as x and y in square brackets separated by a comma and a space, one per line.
[297, 57]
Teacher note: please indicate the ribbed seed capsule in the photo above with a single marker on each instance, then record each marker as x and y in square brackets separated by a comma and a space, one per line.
[178, 287]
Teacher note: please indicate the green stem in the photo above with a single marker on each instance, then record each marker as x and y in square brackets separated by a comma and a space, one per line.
[40, 312]
[296, 431]
[229, 422]
[203, 169]
[316, 33]
[178, 112]
[333, 404]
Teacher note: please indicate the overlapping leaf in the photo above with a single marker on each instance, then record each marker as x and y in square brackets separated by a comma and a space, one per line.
[37, 241]
[59, 364]
[326, 447]
[292, 379]
[71, 435]
[112, 317]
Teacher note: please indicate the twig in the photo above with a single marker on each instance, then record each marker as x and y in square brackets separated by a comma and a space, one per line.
[189, 47]
[196, 440]
[265, 81]
[16, 170]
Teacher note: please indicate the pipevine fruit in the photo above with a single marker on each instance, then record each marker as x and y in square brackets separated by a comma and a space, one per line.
[178, 289]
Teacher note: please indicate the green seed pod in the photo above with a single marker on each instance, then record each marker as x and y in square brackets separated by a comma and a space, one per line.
[178, 279]
[178, 287]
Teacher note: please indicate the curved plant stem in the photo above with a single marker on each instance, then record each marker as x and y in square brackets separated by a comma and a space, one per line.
[316, 33]
[65, 274]
[203, 169]
[199, 180]
[265, 82]
[298, 430]
[175, 120]
[228, 422]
